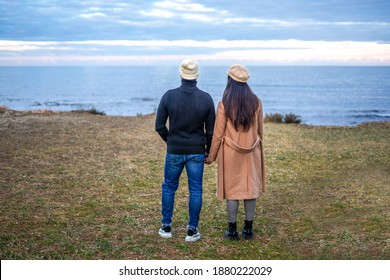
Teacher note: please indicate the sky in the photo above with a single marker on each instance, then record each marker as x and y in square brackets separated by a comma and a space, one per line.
[262, 32]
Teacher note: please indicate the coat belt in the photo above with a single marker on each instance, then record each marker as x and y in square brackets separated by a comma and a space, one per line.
[240, 149]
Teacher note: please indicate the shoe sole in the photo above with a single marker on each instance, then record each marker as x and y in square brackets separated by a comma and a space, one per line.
[192, 238]
[247, 237]
[235, 238]
[164, 234]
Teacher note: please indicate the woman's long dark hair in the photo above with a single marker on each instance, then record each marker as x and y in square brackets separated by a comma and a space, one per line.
[240, 104]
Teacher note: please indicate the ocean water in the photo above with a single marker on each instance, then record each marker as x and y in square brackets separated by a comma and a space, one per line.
[319, 95]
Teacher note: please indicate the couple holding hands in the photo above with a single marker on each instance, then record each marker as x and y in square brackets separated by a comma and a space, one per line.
[196, 136]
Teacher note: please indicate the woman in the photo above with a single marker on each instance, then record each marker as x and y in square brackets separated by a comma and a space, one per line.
[238, 145]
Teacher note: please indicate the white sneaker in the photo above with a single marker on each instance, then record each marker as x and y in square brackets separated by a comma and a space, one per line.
[165, 231]
[192, 235]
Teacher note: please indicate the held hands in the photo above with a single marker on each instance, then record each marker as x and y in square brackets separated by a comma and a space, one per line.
[207, 160]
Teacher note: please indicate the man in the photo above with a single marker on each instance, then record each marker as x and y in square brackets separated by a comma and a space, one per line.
[191, 115]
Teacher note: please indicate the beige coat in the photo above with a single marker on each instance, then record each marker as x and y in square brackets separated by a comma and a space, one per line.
[240, 155]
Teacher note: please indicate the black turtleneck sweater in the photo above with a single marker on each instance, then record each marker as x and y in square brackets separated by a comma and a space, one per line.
[191, 115]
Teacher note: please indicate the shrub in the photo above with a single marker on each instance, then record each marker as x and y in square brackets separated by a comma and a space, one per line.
[292, 118]
[3, 109]
[92, 111]
[274, 117]
[279, 118]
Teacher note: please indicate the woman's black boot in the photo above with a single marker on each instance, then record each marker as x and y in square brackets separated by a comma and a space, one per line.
[247, 232]
[231, 232]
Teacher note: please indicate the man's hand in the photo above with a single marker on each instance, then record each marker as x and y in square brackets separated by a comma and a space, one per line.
[206, 158]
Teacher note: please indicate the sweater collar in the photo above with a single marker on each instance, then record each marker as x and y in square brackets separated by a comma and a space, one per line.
[188, 83]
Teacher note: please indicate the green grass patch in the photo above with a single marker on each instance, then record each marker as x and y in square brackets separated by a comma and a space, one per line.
[80, 186]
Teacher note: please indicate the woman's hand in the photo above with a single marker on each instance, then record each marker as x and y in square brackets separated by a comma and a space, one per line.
[206, 159]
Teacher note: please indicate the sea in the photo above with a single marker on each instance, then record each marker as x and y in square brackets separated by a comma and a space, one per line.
[320, 95]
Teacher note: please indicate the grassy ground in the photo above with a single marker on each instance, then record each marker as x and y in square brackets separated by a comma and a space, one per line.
[81, 186]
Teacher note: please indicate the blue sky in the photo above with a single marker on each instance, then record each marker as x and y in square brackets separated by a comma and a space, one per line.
[300, 32]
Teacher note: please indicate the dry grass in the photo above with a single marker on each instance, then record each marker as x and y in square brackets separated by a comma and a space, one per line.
[78, 186]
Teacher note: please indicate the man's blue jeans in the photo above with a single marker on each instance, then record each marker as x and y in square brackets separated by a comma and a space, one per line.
[174, 165]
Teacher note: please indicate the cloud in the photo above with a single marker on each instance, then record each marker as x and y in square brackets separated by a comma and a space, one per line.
[262, 22]
[155, 51]
[22, 46]
[194, 19]
[189, 11]
[184, 6]
[93, 15]
[213, 30]
[158, 13]
[185, 10]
